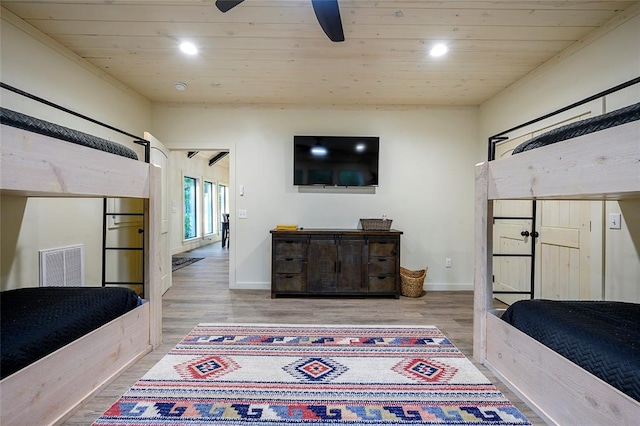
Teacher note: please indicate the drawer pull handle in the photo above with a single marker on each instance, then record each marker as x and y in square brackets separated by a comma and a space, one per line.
[288, 259]
[381, 277]
[382, 260]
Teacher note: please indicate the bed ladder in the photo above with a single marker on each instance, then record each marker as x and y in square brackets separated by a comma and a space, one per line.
[531, 255]
[122, 224]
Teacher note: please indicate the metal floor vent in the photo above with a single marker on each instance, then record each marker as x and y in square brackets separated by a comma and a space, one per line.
[62, 267]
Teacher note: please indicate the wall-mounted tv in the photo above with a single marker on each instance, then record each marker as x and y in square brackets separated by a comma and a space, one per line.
[336, 160]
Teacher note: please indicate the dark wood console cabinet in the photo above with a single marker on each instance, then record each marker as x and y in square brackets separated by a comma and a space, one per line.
[335, 262]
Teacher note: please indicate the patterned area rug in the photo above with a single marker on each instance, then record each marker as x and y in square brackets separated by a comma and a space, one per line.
[181, 262]
[288, 374]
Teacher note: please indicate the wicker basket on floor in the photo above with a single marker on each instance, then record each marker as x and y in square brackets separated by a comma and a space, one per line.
[412, 282]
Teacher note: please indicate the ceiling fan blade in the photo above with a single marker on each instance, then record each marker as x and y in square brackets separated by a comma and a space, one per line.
[328, 14]
[226, 5]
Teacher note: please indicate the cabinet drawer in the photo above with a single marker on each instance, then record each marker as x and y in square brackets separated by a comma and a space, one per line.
[382, 284]
[289, 248]
[382, 248]
[382, 265]
[288, 266]
[291, 282]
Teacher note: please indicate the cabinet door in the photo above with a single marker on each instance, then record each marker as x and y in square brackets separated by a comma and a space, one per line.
[322, 266]
[351, 267]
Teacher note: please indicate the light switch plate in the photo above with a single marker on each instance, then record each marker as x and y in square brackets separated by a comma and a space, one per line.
[615, 221]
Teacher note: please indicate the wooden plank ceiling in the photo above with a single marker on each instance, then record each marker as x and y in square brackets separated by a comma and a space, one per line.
[275, 53]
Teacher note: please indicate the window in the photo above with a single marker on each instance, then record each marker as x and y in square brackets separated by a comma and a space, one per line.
[209, 208]
[223, 202]
[190, 207]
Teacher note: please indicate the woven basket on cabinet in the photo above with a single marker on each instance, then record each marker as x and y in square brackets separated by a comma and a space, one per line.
[376, 224]
[412, 282]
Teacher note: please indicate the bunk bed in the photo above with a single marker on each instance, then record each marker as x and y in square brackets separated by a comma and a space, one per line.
[41, 159]
[601, 163]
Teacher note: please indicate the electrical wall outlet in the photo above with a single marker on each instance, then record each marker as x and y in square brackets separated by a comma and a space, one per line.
[242, 214]
[447, 262]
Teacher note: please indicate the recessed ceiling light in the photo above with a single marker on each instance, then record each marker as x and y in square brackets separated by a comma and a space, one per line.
[180, 86]
[189, 48]
[439, 50]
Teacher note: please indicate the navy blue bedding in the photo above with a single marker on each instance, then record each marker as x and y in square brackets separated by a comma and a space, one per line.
[38, 321]
[583, 127]
[32, 124]
[601, 337]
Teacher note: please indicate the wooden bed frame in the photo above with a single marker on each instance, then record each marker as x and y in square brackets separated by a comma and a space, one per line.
[49, 390]
[598, 166]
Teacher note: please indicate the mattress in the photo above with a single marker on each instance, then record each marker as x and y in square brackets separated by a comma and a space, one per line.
[601, 337]
[38, 321]
[32, 124]
[583, 127]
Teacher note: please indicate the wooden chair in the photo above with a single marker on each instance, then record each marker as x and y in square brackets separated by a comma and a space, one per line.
[225, 230]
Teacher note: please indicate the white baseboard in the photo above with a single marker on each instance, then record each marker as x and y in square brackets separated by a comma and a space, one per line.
[197, 243]
[428, 287]
[449, 287]
[250, 286]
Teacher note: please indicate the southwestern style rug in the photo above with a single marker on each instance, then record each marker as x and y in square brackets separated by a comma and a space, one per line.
[290, 374]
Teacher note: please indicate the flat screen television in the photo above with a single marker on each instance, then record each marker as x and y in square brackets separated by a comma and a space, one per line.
[336, 160]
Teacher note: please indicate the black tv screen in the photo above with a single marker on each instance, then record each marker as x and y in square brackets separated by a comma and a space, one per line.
[336, 160]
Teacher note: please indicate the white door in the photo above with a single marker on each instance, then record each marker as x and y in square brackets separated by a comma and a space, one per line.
[563, 262]
[512, 250]
[160, 157]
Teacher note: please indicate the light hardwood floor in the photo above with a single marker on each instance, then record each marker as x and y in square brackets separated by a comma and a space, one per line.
[200, 293]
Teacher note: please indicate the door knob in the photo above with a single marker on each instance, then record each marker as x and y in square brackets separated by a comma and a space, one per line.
[534, 234]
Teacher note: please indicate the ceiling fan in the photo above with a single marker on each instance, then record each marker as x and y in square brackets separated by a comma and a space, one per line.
[326, 11]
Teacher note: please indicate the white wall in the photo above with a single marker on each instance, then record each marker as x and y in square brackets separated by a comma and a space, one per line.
[612, 59]
[29, 63]
[426, 180]
[622, 254]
